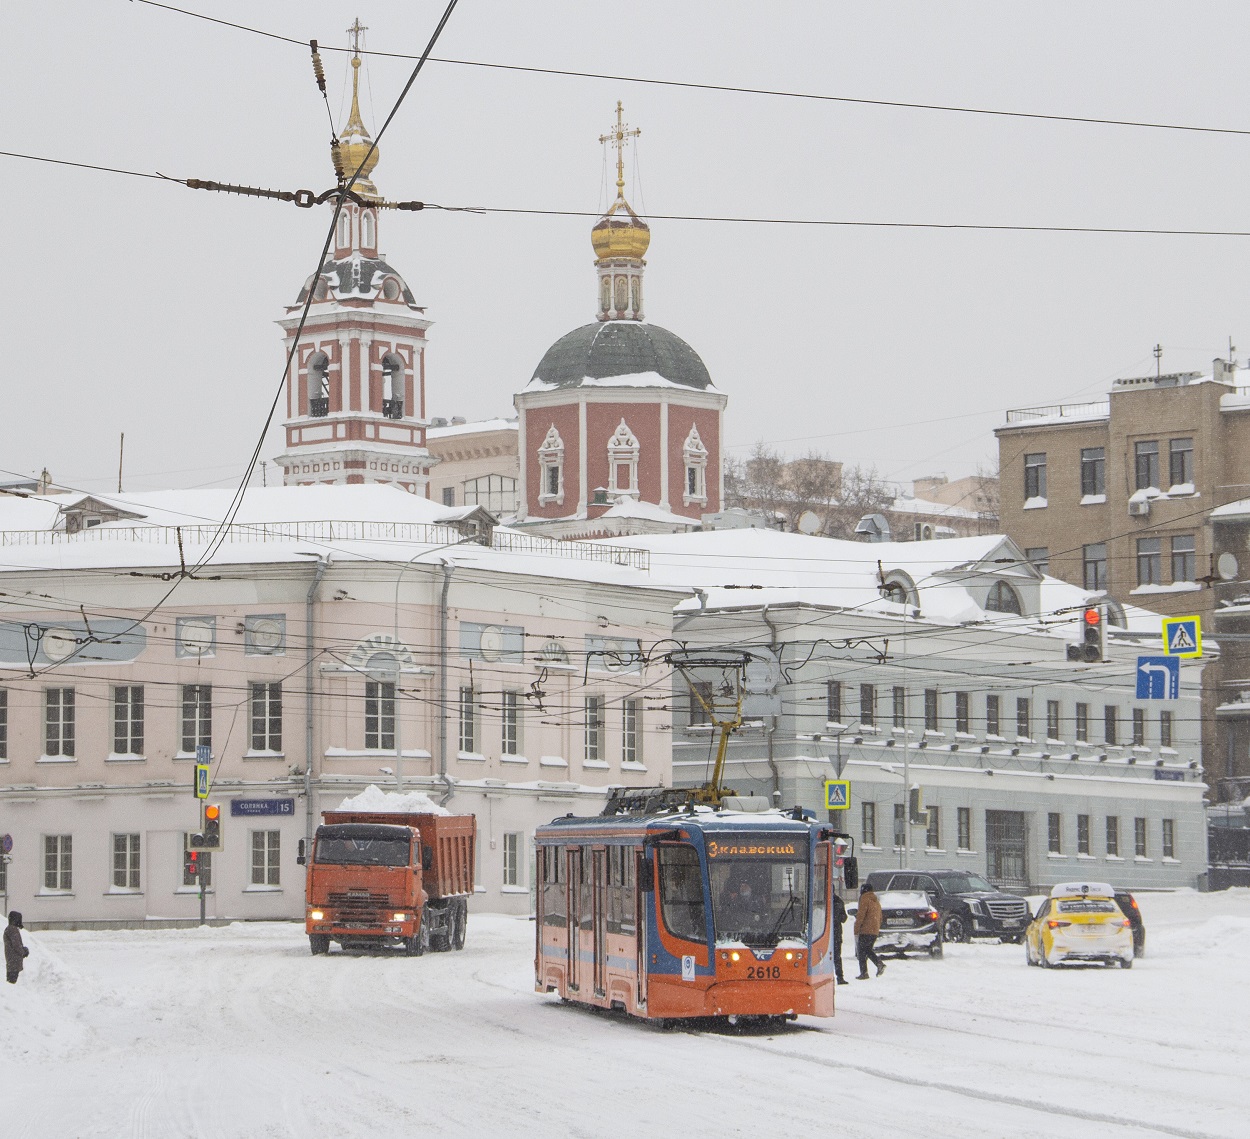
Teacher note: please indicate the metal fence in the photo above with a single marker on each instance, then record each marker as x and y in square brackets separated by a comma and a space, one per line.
[1090, 410]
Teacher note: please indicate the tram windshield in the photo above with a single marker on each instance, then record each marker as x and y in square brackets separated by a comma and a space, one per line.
[759, 898]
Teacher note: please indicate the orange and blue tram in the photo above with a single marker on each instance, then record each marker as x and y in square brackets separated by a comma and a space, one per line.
[676, 914]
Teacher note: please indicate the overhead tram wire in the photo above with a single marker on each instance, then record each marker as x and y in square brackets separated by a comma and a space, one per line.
[728, 88]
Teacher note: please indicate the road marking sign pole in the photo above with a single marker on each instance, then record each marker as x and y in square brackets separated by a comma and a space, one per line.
[203, 781]
[837, 794]
[1182, 636]
[1158, 678]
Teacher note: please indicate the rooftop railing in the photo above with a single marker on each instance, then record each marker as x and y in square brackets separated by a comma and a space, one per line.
[1091, 410]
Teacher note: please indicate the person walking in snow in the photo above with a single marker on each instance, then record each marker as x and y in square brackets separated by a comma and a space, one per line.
[839, 917]
[14, 951]
[867, 927]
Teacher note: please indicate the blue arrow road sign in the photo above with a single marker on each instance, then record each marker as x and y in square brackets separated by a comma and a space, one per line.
[1158, 678]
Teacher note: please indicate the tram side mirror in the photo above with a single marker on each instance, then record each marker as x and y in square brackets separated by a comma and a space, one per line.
[646, 876]
[299, 858]
[427, 858]
[850, 872]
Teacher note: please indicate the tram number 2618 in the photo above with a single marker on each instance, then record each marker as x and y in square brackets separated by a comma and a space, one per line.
[763, 972]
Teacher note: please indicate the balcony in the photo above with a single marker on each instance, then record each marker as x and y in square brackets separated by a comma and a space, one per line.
[393, 408]
[319, 408]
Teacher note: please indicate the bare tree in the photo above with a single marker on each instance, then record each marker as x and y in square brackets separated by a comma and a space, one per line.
[863, 491]
[985, 498]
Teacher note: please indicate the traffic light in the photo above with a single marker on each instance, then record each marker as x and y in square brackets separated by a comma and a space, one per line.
[1090, 648]
[209, 837]
[193, 865]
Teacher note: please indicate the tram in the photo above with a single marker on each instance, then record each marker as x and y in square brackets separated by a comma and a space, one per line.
[669, 910]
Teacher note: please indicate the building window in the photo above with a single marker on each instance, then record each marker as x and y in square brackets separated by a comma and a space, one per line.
[497, 493]
[592, 729]
[1094, 566]
[58, 721]
[1184, 558]
[868, 817]
[1040, 557]
[126, 861]
[379, 715]
[700, 703]
[1139, 837]
[1181, 461]
[1054, 833]
[1111, 724]
[1146, 464]
[1169, 838]
[1082, 723]
[1024, 719]
[128, 719]
[900, 826]
[930, 710]
[449, 496]
[468, 719]
[1165, 729]
[58, 862]
[197, 717]
[992, 723]
[4, 725]
[1052, 719]
[868, 705]
[266, 848]
[512, 858]
[964, 824]
[631, 748]
[1149, 561]
[933, 833]
[318, 385]
[551, 468]
[1093, 471]
[510, 713]
[1139, 727]
[833, 701]
[393, 386]
[267, 716]
[1082, 834]
[1113, 836]
[196, 869]
[1003, 599]
[623, 461]
[900, 706]
[1035, 476]
[963, 721]
[694, 455]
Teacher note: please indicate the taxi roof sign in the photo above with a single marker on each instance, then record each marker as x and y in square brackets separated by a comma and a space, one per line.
[1182, 636]
[837, 794]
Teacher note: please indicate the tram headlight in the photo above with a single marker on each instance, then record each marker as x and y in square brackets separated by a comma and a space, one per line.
[734, 955]
[789, 955]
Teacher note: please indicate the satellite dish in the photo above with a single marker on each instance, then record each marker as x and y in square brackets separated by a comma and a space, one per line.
[809, 523]
[1226, 567]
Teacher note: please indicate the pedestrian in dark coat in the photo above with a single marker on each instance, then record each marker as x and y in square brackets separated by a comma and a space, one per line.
[839, 916]
[867, 927]
[14, 951]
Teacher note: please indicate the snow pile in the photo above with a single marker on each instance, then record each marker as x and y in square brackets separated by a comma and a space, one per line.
[373, 798]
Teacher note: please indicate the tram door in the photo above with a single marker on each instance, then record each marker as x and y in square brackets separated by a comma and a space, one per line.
[573, 914]
[599, 879]
[640, 925]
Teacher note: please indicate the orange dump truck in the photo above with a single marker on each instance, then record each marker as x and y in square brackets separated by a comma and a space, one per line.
[399, 878]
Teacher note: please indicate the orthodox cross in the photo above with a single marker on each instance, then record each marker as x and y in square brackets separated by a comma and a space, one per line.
[617, 138]
[356, 31]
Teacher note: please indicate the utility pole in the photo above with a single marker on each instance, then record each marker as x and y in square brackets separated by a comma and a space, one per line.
[121, 454]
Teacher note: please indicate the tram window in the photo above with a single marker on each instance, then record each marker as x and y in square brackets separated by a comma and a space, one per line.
[681, 892]
[553, 886]
[628, 924]
[586, 891]
[820, 891]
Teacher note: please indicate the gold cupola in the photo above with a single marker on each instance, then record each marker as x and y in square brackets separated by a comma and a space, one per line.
[620, 240]
[355, 139]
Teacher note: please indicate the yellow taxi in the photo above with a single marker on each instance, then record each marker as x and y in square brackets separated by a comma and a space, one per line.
[1080, 921]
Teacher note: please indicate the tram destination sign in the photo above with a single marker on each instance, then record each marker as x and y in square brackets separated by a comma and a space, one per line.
[753, 848]
[250, 808]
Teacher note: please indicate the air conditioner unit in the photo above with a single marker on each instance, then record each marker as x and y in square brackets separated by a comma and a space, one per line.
[1139, 509]
[923, 532]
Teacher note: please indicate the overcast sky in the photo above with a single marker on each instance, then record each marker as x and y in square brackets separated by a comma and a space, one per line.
[140, 306]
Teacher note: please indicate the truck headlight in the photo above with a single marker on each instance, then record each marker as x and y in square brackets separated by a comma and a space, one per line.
[400, 917]
[316, 915]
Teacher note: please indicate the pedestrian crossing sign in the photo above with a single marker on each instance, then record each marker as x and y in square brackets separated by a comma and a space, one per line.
[837, 794]
[202, 781]
[1182, 636]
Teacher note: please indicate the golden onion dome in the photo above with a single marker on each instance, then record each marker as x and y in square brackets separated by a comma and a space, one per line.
[355, 141]
[620, 233]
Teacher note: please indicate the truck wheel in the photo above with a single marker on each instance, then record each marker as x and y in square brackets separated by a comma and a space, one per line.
[419, 942]
[459, 924]
[319, 943]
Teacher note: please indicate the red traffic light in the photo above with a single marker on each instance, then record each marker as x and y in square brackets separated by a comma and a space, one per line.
[1093, 616]
[212, 811]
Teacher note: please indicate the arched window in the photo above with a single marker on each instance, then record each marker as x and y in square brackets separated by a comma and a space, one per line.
[344, 238]
[318, 384]
[694, 455]
[367, 230]
[1003, 599]
[392, 386]
[551, 468]
[899, 588]
[623, 461]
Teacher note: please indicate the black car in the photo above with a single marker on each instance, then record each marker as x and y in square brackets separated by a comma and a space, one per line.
[969, 905]
[1128, 904]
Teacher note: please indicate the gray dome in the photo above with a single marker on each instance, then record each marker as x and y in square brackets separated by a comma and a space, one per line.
[606, 349]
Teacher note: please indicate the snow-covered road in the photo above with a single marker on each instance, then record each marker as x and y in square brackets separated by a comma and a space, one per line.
[238, 1031]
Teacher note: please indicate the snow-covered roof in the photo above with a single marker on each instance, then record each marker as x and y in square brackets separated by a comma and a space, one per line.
[628, 508]
[479, 427]
[906, 504]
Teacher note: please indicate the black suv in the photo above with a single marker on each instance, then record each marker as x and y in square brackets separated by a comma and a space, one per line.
[969, 905]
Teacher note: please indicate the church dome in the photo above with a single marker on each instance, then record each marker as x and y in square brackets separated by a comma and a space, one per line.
[596, 354]
[620, 233]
